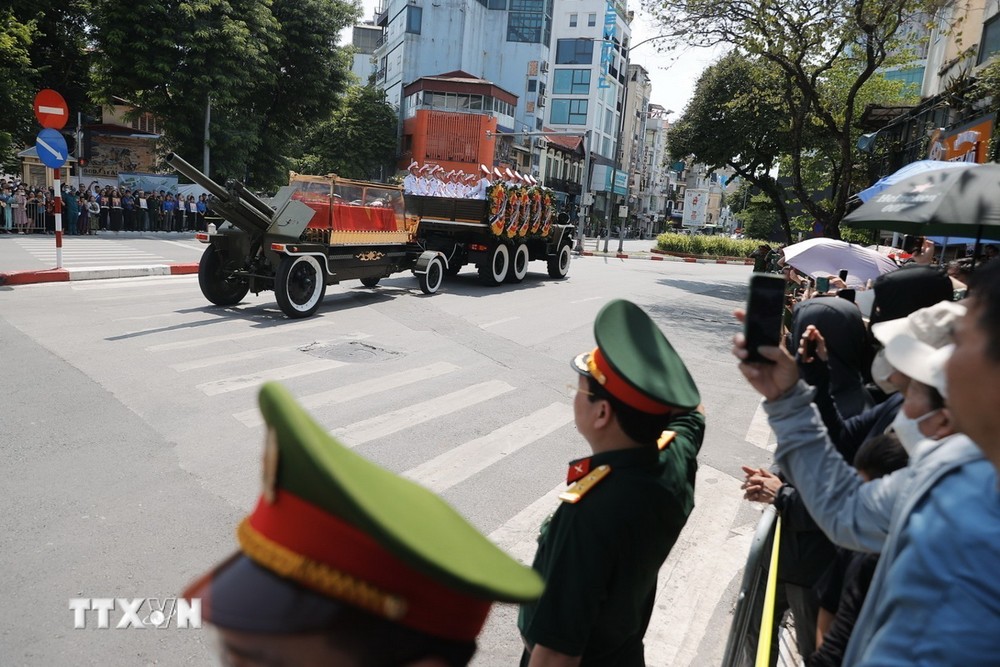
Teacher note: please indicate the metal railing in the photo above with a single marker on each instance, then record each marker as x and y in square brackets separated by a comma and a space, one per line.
[748, 613]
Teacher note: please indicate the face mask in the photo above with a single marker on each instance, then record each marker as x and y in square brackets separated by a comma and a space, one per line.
[908, 430]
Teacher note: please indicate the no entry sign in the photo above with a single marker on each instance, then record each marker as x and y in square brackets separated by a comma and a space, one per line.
[50, 109]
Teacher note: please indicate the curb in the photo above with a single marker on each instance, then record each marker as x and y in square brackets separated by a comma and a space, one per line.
[94, 273]
[662, 257]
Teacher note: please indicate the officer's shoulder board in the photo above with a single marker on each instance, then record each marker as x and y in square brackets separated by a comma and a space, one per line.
[583, 486]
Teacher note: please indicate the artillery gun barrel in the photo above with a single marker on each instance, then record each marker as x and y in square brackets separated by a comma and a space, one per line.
[252, 199]
[188, 170]
[244, 214]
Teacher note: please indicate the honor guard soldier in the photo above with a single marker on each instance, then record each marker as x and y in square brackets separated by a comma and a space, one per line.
[345, 563]
[638, 408]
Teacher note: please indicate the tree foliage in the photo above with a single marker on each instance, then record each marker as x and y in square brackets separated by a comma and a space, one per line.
[826, 51]
[358, 140]
[265, 68]
[42, 45]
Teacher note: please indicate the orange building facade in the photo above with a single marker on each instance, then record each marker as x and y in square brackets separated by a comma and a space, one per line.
[450, 120]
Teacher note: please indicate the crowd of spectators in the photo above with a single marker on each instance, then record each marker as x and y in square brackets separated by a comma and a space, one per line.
[890, 509]
[31, 210]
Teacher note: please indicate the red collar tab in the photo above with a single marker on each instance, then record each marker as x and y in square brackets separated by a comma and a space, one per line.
[577, 470]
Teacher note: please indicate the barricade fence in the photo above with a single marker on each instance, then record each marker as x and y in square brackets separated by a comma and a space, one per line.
[750, 635]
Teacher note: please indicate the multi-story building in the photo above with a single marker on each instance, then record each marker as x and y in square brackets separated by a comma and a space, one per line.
[451, 120]
[633, 149]
[504, 42]
[653, 192]
[364, 37]
[590, 42]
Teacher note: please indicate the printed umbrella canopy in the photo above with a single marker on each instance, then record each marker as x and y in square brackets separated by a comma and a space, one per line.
[961, 201]
[899, 175]
[827, 257]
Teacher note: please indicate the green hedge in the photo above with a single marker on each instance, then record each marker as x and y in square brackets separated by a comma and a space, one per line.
[715, 246]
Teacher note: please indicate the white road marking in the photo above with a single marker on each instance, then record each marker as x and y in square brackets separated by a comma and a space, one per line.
[218, 360]
[348, 392]
[418, 413]
[458, 464]
[759, 433]
[706, 557]
[283, 373]
[592, 298]
[200, 247]
[142, 282]
[496, 322]
[519, 536]
[277, 328]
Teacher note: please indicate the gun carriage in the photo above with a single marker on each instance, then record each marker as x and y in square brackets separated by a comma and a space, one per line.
[314, 232]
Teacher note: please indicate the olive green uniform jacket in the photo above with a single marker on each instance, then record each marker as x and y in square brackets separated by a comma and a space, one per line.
[600, 556]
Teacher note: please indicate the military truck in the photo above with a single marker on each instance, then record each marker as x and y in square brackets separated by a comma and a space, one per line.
[314, 232]
[499, 235]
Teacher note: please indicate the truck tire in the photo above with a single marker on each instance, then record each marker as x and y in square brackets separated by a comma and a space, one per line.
[430, 280]
[494, 270]
[518, 264]
[215, 284]
[371, 281]
[559, 263]
[299, 285]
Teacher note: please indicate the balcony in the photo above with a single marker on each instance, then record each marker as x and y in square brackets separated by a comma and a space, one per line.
[380, 41]
[563, 185]
[380, 76]
[382, 14]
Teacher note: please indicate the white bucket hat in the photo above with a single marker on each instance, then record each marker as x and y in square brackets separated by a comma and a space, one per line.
[912, 343]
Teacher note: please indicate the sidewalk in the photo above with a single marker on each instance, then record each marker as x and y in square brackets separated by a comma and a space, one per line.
[21, 255]
[646, 249]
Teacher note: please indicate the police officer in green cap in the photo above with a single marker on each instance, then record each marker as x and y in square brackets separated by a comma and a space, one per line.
[639, 410]
[344, 563]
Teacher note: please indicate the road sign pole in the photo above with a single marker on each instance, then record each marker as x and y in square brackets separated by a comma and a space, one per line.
[58, 211]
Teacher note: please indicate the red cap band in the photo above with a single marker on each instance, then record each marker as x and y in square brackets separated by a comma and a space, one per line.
[317, 535]
[620, 388]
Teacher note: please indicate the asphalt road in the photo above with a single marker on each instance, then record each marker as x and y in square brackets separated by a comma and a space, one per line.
[132, 441]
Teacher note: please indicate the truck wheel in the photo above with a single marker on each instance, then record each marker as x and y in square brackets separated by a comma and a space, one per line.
[431, 279]
[494, 271]
[519, 264]
[371, 281]
[299, 285]
[559, 263]
[217, 286]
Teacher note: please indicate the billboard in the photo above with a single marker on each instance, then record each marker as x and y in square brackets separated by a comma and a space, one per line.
[966, 143]
[695, 203]
[601, 179]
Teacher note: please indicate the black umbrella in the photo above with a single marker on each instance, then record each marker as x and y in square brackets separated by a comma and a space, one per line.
[945, 202]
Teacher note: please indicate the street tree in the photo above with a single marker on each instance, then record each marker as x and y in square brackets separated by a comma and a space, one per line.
[260, 71]
[42, 45]
[737, 118]
[358, 140]
[813, 43]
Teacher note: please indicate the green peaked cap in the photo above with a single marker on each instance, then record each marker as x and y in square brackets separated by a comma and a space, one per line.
[640, 353]
[407, 520]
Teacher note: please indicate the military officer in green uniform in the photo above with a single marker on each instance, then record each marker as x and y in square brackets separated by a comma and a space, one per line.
[344, 563]
[599, 554]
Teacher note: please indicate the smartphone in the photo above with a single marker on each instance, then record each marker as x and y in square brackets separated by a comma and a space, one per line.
[843, 275]
[912, 244]
[823, 284]
[765, 306]
[847, 293]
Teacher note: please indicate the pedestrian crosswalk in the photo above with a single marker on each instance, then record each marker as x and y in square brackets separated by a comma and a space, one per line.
[87, 252]
[455, 420]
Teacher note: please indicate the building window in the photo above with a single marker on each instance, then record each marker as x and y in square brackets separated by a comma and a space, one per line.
[574, 51]
[571, 82]
[532, 85]
[572, 20]
[569, 112]
[526, 5]
[990, 43]
[414, 17]
[524, 27]
[497, 4]
[591, 20]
